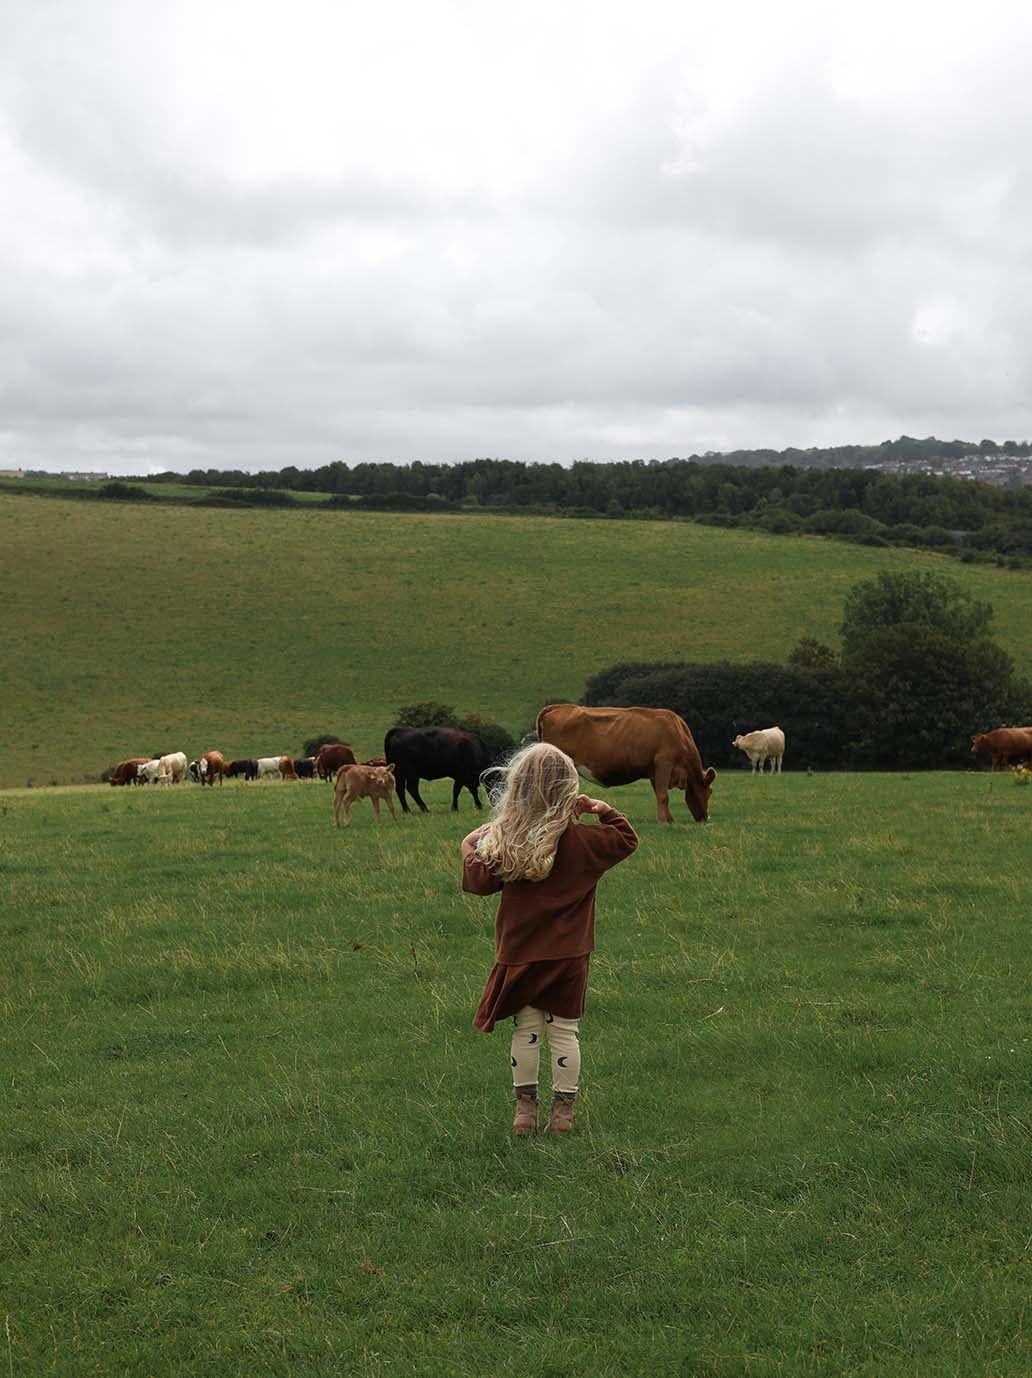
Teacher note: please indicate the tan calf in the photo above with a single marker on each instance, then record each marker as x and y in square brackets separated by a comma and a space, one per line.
[363, 782]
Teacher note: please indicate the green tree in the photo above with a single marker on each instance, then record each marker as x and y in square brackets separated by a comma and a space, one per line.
[899, 600]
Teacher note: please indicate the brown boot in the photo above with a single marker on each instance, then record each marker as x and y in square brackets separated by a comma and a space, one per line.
[561, 1119]
[525, 1125]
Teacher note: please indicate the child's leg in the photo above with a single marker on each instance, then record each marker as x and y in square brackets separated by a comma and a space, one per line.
[564, 1044]
[528, 1030]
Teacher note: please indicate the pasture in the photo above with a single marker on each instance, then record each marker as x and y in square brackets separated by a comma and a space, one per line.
[248, 1128]
[130, 631]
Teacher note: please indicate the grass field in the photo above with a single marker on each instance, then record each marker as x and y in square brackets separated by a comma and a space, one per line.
[248, 1128]
[129, 631]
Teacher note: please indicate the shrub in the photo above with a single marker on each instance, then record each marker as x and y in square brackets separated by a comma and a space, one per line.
[428, 714]
[124, 492]
[312, 744]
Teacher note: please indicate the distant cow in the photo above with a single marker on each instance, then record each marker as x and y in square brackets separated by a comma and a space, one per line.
[763, 745]
[435, 753]
[176, 763]
[154, 772]
[363, 782]
[246, 767]
[125, 773]
[194, 771]
[613, 746]
[212, 766]
[268, 765]
[286, 768]
[304, 767]
[331, 757]
[1005, 744]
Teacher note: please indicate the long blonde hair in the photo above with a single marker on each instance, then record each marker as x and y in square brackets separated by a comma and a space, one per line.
[531, 813]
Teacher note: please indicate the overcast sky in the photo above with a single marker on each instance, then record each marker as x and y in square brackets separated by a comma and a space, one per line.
[256, 234]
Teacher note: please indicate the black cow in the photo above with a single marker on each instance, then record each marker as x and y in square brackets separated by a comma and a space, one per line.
[433, 753]
[304, 768]
[248, 769]
[194, 772]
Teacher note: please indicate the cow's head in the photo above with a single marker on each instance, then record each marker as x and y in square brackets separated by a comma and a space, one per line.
[737, 741]
[977, 742]
[697, 794]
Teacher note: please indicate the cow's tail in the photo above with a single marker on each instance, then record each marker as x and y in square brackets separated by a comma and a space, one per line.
[537, 725]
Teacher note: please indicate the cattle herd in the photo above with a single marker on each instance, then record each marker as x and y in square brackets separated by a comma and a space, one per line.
[611, 746]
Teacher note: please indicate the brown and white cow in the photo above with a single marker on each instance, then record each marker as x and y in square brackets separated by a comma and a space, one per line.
[614, 746]
[211, 765]
[363, 782]
[763, 745]
[126, 773]
[1004, 744]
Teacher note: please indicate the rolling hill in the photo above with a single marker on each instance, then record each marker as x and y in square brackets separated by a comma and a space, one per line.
[130, 630]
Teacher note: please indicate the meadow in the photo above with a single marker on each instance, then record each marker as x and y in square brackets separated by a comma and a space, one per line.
[130, 630]
[249, 1129]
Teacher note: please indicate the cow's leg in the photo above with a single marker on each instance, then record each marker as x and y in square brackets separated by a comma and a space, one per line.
[336, 808]
[376, 810]
[390, 805]
[400, 783]
[473, 789]
[456, 787]
[414, 791]
[661, 786]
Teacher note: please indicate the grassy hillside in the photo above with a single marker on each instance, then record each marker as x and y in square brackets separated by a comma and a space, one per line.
[129, 630]
[248, 1128]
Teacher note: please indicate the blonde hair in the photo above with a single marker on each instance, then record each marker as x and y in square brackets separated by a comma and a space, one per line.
[531, 813]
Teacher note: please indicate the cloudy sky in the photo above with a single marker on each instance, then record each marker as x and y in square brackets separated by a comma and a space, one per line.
[256, 234]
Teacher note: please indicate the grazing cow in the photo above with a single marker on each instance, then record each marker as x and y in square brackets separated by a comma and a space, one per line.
[125, 773]
[268, 765]
[247, 768]
[212, 765]
[613, 746]
[331, 757]
[194, 771]
[433, 753]
[1004, 745]
[176, 763]
[154, 772]
[363, 782]
[304, 767]
[286, 768]
[765, 744]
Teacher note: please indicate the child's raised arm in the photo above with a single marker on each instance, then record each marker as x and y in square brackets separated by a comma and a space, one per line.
[476, 878]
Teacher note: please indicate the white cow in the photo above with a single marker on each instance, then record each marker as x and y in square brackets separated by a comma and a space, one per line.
[176, 763]
[154, 772]
[766, 744]
[268, 765]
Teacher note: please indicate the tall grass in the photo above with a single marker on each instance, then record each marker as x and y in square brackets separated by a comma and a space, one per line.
[129, 630]
[247, 1126]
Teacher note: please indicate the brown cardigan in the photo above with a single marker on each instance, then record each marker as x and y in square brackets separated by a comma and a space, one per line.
[547, 920]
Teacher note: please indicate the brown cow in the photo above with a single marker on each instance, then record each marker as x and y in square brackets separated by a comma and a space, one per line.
[212, 763]
[331, 757]
[286, 768]
[1005, 744]
[614, 746]
[361, 782]
[125, 772]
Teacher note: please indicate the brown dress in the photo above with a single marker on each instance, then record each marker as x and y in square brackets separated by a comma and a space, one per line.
[545, 930]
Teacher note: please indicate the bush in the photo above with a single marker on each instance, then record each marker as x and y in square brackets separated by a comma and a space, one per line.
[246, 497]
[427, 714]
[312, 744]
[124, 492]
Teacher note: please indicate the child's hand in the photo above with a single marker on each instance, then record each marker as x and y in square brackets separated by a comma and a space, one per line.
[470, 840]
[584, 804]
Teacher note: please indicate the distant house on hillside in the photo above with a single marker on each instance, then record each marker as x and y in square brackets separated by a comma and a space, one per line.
[84, 478]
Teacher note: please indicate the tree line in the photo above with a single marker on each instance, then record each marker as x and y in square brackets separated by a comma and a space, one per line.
[828, 494]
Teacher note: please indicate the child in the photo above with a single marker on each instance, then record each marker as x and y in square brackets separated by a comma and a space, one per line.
[547, 867]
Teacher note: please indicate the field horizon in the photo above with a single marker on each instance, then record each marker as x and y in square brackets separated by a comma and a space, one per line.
[131, 631]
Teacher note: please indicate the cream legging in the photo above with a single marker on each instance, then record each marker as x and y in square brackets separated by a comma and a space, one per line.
[530, 1025]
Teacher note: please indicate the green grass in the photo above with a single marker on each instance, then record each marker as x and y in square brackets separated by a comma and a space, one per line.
[129, 630]
[248, 1128]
